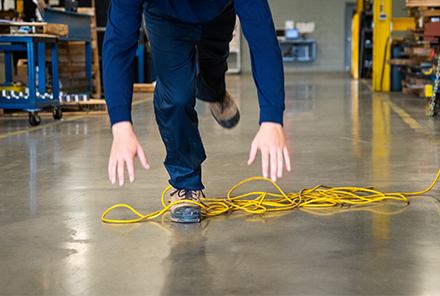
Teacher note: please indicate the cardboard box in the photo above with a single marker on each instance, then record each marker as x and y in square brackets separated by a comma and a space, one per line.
[22, 67]
[54, 29]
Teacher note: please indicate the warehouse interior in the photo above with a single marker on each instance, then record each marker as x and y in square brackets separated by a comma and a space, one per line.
[360, 111]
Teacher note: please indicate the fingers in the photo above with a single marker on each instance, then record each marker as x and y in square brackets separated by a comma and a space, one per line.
[116, 168]
[130, 165]
[112, 170]
[264, 158]
[252, 154]
[143, 158]
[287, 158]
[275, 158]
[265, 155]
[274, 164]
[130, 169]
[121, 175]
[280, 163]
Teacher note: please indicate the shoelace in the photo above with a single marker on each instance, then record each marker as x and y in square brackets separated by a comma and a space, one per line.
[188, 194]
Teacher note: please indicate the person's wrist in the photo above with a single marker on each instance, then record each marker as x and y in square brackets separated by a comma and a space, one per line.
[269, 123]
[122, 127]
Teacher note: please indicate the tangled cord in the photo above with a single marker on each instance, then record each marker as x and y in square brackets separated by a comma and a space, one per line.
[318, 197]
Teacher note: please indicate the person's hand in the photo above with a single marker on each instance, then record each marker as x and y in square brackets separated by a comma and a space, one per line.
[125, 148]
[272, 144]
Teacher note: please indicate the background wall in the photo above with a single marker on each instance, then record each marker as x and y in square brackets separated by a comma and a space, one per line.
[329, 17]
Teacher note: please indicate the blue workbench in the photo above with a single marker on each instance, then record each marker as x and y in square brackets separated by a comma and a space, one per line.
[37, 97]
[35, 44]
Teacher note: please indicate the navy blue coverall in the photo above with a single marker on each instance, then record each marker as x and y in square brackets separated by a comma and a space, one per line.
[189, 45]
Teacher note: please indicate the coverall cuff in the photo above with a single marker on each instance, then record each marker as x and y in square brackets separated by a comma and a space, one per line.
[119, 114]
[271, 114]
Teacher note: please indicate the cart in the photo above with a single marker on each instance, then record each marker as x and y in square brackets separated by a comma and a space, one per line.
[36, 97]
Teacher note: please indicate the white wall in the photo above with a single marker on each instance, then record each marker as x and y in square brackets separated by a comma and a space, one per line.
[329, 16]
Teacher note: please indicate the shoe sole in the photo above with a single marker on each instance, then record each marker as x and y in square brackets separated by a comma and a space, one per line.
[186, 215]
[228, 123]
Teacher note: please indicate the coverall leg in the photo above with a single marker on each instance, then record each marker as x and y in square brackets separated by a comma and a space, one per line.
[190, 61]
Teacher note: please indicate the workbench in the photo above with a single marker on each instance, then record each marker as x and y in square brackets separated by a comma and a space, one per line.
[37, 97]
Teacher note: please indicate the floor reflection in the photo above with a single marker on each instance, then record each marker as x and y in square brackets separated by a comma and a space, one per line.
[300, 98]
[381, 160]
[188, 272]
[357, 150]
[33, 169]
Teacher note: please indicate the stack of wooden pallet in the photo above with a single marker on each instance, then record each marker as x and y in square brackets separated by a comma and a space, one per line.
[422, 3]
[418, 62]
[72, 75]
[96, 73]
[421, 46]
[72, 62]
[72, 67]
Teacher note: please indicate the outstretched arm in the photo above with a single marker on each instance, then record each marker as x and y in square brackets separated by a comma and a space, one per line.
[267, 69]
[119, 49]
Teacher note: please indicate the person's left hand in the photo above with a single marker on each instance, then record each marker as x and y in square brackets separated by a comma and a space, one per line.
[272, 144]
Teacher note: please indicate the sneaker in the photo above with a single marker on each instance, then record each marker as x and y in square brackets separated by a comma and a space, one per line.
[185, 212]
[226, 112]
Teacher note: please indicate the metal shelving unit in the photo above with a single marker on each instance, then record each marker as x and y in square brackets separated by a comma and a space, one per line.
[301, 50]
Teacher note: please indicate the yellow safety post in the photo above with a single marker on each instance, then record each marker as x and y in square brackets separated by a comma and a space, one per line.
[355, 23]
[381, 44]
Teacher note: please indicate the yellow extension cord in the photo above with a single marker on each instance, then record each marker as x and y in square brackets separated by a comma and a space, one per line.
[319, 197]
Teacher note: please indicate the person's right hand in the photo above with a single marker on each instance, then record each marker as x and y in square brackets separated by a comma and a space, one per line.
[125, 148]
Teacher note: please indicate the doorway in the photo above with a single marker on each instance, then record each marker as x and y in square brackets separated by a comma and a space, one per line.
[350, 10]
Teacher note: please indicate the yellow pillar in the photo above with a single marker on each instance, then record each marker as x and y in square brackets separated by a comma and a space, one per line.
[355, 23]
[359, 6]
[381, 44]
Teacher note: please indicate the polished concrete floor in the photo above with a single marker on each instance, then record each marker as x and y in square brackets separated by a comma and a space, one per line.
[54, 188]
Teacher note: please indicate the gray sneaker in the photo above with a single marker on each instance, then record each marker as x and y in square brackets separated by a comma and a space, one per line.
[226, 112]
[185, 212]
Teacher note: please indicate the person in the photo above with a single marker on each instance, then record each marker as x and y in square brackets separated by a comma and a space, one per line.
[189, 43]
